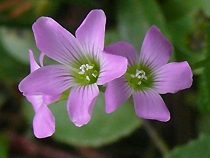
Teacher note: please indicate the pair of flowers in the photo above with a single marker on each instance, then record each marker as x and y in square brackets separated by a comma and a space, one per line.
[85, 64]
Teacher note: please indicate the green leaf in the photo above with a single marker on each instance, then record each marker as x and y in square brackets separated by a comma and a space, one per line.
[11, 70]
[199, 148]
[4, 144]
[204, 123]
[175, 9]
[135, 17]
[187, 37]
[205, 5]
[204, 88]
[17, 42]
[186, 21]
[204, 91]
[102, 129]
[112, 36]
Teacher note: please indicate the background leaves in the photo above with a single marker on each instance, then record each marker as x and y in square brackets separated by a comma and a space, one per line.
[194, 149]
[120, 134]
[102, 129]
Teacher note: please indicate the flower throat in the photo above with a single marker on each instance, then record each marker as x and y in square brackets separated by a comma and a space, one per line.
[139, 78]
[87, 74]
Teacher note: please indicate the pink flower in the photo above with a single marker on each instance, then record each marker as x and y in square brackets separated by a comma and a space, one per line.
[147, 76]
[83, 64]
[44, 121]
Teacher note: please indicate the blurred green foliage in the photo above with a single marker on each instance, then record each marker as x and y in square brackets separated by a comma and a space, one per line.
[135, 18]
[204, 84]
[102, 129]
[4, 144]
[184, 22]
[194, 149]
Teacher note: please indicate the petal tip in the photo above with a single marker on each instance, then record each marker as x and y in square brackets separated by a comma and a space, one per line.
[161, 118]
[81, 122]
[155, 28]
[40, 136]
[109, 110]
[97, 11]
[156, 48]
[189, 73]
[165, 119]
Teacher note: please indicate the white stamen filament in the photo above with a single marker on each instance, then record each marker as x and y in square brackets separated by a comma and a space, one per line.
[137, 72]
[85, 67]
[144, 77]
[93, 75]
[81, 72]
[133, 76]
[139, 77]
[82, 67]
[89, 67]
[88, 78]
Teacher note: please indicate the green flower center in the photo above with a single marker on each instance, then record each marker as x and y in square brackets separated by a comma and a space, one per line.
[140, 78]
[87, 73]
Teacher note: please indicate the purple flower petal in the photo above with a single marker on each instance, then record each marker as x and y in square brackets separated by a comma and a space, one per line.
[36, 101]
[173, 77]
[112, 67]
[41, 59]
[48, 80]
[116, 94]
[44, 122]
[51, 99]
[55, 41]
[156, 49]
[92, 31]
[150, 105]
[123, 49]
[80, 104]
[33, 63]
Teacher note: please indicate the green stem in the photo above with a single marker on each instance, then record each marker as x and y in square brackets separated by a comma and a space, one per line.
[160, 144]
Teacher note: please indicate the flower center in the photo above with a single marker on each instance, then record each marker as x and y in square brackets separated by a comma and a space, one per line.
[139, 78]
[87, 74]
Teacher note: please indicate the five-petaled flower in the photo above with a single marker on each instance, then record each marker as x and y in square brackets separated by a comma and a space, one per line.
[147, 76]
[44, 121]
[83, 64]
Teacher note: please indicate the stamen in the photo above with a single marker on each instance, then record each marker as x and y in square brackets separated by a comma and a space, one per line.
[136, 75]
[93, 75]
[139, 77]
[89, 67]
[82, 67]
[133, 76]
[88, 73]
[144, 77]
[82, 72]
[88, 78]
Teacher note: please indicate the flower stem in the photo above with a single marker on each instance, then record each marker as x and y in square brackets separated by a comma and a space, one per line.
[158, 141]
